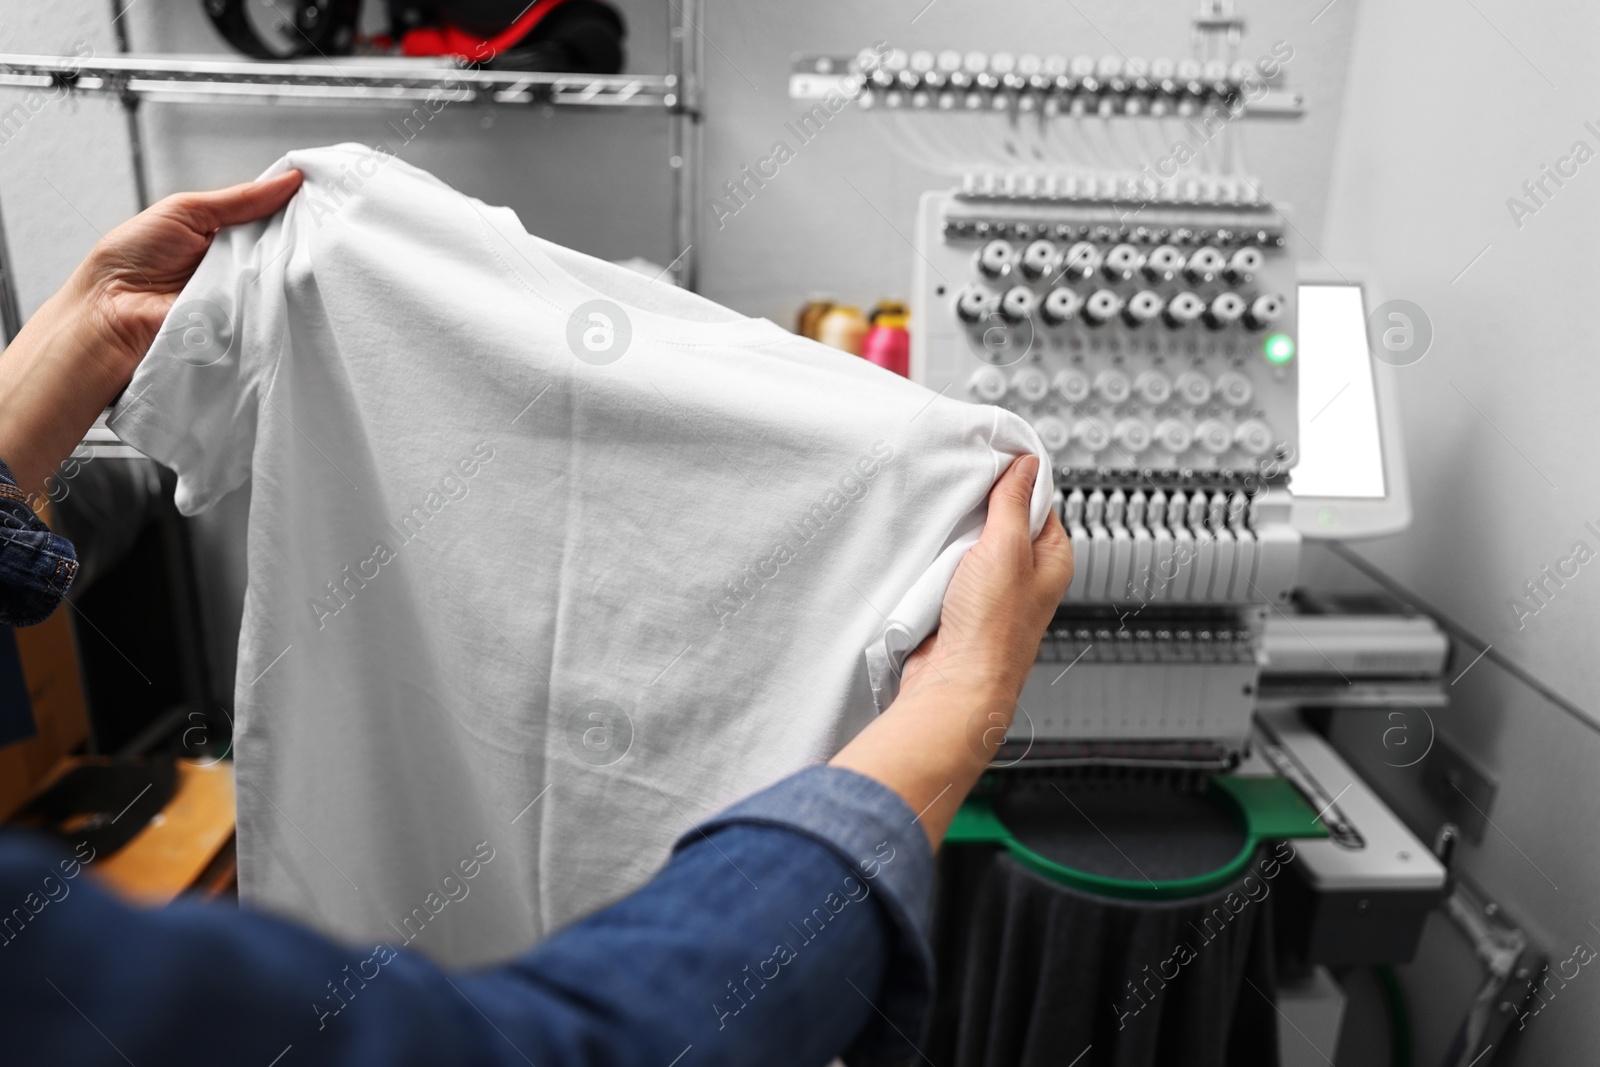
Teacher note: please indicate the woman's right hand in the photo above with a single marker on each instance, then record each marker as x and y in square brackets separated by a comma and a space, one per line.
[959, 689]
[1002, 597]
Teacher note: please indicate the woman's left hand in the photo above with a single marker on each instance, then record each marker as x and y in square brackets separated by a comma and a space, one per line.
[133, 276]
[83, 344]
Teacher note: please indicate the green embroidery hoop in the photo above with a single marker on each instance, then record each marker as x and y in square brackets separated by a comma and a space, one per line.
[1268, 807]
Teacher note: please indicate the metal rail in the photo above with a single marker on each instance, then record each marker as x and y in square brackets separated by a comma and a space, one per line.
[684, 142]
[351, 81]
[363, 81]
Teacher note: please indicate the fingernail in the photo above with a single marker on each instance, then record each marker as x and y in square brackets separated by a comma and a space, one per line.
[1028, 467]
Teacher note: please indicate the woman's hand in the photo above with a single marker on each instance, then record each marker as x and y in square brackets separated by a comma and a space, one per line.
[960, 688]
[133, 276]
[1002, 597]
[82, 346]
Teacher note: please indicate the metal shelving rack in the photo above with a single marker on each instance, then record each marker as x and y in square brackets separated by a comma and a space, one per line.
[351, 80]
[376, 82]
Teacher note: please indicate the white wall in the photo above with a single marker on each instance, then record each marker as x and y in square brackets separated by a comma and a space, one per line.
[1441, 130]
[1451, 107]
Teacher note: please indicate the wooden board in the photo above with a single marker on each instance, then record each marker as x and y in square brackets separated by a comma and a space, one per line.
[169, 854]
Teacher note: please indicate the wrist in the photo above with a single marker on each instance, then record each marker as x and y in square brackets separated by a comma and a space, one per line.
[87, 312]
[962, 687]
[61, 370]
[972, 674]
[973, 718]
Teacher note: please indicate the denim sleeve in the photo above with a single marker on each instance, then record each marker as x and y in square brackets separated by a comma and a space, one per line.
[770, 937]
[879, 838]
[36, 565]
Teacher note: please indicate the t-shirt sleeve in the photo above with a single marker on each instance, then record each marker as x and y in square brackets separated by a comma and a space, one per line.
[194, 402]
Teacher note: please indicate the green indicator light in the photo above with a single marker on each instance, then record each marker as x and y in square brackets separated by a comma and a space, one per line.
[1279, 348]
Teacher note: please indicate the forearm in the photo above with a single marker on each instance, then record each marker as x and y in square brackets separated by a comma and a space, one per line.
[760, 942]
[931, 745]
[56, 377]
[959, 690]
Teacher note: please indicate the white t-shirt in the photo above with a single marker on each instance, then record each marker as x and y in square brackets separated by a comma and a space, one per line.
[546, 560]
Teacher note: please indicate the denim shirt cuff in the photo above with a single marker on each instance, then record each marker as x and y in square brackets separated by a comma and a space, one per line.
[876, 833]
[36, 564]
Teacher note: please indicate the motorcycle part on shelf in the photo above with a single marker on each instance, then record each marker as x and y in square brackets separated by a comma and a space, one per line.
[562, 36]
[565, 36]
[261, 29]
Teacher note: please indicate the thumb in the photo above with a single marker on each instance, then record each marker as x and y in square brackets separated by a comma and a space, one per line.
[1011, 497]
[247, 202]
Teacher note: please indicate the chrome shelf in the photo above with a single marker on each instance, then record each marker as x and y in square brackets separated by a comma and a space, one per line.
[354, 81]
[377, 81]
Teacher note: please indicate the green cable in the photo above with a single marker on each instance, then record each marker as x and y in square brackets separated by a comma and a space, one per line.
[1394, 999]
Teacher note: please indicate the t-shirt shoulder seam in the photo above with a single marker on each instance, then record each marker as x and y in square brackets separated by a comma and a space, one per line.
[486, 228]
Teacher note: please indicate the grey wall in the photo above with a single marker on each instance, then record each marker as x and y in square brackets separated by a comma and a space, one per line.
[64, 172]
[1450, 108]
[1500, 413]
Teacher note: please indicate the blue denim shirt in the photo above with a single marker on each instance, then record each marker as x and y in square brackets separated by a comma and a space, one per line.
[783, 932]
[36, 565]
